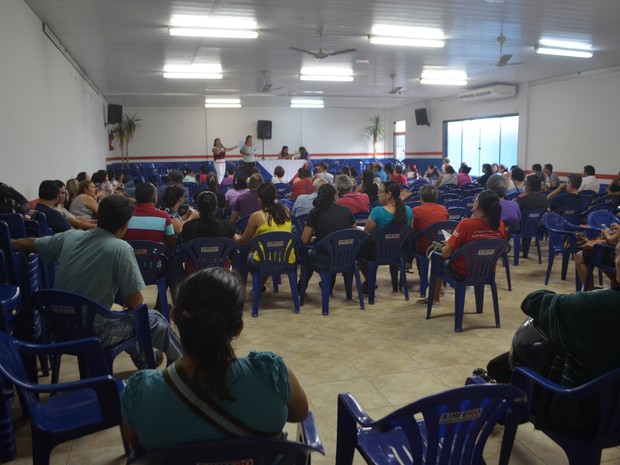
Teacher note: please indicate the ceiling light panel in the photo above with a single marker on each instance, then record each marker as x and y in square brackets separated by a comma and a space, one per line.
[231, 101]
[563, 52]
[204, 32]
[407, 31]
[221, 22]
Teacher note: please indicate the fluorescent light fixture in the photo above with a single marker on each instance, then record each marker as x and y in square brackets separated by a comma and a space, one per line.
[221, 33]
[326, 74]
[563, 52]
[219, 22]
[443, 77]
[226, 101]
[211, 68]
[404, 42]
[222, 105]
[407, 32]
[299, 105]
[192, 76]
[310, 103]
[312, 92]
[569, 44]
[196, 71]
[406, 36]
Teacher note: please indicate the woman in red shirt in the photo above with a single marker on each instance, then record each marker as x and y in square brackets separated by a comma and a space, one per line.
[485, 223]
[302, 185]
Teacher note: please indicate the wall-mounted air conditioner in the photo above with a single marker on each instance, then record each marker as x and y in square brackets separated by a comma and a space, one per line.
[489, 92]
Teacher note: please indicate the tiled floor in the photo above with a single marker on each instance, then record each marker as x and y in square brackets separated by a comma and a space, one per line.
[386, 356]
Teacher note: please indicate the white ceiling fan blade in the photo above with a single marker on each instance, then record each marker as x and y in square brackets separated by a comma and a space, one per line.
[504, 59]
[302, 50]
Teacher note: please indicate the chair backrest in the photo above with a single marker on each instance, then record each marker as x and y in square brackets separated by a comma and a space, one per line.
[530, 222]
[480, 259]
[450, 427]
[232, 451]
[558, 229]
[587, 197]
[152, 258]
[451, 203]
[12, 368]
[570, 212]
[200, 253]
[282, 189]
[15, 222]
[342, 247]
[390, 241]
[299, 223]
[468, 202]
[609, 199]
[458, 213]
[361, 218]
[287, 203]
[434, 232]
[274, 250]
[241, 223]
[597, 218]
[68, 316]
[451, 195]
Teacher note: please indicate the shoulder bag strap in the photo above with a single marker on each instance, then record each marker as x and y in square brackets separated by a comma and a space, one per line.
[182, 386]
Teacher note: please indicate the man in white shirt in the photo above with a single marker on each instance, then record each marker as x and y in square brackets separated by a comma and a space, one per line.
[304, 203]
[321, 172]
[589, 181]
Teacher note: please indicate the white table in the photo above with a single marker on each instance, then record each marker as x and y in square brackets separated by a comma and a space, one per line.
[290, 166]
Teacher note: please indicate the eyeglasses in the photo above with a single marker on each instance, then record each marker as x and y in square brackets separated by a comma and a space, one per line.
[382, 192]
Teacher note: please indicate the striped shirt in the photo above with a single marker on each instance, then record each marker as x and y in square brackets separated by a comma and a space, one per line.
[149, 224]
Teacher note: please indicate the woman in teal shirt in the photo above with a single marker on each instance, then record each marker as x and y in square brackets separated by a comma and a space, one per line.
[226, 396]
[391, 211]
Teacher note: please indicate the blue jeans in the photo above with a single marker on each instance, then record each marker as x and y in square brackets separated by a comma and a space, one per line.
[163, 336]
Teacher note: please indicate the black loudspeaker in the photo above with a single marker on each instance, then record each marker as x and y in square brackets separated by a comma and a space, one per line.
[263, 130]
[115, 114]
[421, 117]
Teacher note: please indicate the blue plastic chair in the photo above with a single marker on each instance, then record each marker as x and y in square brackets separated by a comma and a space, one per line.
[562, 241]
[480, 260]
[597, 261]
[299, 223]
[361, 218]
[287, 203]
[598, 218]
[571, 213]
[15, 222]
[390, 244]
[451, 195]
[243, 451]
[451, 203]
[70, 316]
[530, 228]
[342, 248]
[428, 235]
[468, 202]
[79, 408]
[447, 428]
[282, 189]
[153, 258]
[191, 188]
[608, 199]
[241, 224]
[458, 213]
[274, 250]
[606, 388]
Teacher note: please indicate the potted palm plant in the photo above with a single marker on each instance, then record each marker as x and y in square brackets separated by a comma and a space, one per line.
[375, 131]
[123, 132]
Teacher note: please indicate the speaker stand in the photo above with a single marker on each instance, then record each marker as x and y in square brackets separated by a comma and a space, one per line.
[263, 144]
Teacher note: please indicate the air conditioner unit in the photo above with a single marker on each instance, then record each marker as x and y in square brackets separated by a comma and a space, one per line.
[489, 92]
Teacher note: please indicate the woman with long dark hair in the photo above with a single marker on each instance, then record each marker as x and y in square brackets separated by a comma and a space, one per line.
[207, 225]
[391, 211]
[368, 186]
[219, 157]
[485, 223]
[257, 393]
[273, 216]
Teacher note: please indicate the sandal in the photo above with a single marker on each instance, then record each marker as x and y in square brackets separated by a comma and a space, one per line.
[424, 302]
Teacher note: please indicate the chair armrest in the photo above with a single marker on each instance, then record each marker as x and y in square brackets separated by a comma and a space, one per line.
[355, 410]
[101, 384]
[526, 379]
[308, 433]
[88, 350]
[587, 231]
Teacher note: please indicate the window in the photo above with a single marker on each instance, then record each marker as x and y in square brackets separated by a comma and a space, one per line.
[482, 140]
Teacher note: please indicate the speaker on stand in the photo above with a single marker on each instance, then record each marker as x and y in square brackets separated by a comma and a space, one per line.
[263, 131]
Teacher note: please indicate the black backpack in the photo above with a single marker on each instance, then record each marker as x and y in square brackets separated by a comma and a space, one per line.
[12, 201]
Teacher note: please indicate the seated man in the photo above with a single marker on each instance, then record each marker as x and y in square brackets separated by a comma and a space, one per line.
[96, 265]
[357, 202]
[148, 223]
[48, 199]
[532, 200]
[304, 202]
[566, 194]
[585, 328]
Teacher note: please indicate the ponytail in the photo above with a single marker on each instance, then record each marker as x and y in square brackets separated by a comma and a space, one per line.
[400, 212]
[208, 314]
[269, 202]
[488, 202]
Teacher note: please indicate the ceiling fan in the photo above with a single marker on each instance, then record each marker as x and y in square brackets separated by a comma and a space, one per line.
[503, 58]
[267, 86]
[320, 55]
[395, 90]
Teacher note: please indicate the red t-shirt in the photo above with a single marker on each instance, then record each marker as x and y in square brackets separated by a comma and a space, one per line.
[301, 187]
[425, 215]
[400, 179]
[357, 202]
[470, 230]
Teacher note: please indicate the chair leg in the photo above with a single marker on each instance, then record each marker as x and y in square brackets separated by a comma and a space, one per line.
[256, 291]
[372, 279]
[347, 433]
[517, 248]
[479, 294]
[459, 306]
[348, 284]
[292, 278]
[506, 263]
[403, 279]
[163, 300]
[423, 266]
[584, 456]
[549, 266]
[358, 284]
[325, 291]
[538, 249]
[394, 276]
[495, 303]
[565, 259]
[431, 295]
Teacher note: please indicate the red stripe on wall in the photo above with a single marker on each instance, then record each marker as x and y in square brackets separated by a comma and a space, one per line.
[158, 158]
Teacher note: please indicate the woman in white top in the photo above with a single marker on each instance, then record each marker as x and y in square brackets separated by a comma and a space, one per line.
[248, 155]
[448, 177]
[85, 204]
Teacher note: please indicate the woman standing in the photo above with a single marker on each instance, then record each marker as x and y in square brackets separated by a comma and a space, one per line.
[219, 157]
[248, 156]
[485, 223]
[257, 392]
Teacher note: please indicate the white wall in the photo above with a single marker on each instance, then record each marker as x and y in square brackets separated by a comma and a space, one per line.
[166, 132]
[51, 120]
